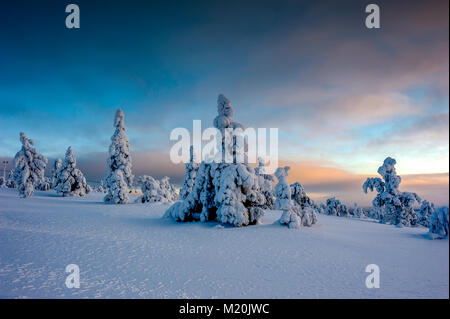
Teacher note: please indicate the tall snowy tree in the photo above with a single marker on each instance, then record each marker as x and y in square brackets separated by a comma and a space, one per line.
[29, 167]
[226, 192]
[118, 177]
[390, 205]
[70, 180]
[265, 184]
[439, 222]
[189, 175]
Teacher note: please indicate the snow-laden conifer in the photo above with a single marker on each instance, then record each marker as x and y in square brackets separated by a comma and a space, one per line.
[226, 192]
[29, 167]
[70, 180]
[118, 177]
[390, 205]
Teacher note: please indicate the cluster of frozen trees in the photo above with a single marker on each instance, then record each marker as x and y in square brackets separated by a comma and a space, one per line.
[294, 215]
[29, 168]
[390, 205]
[67, 179]
[334, 207]
[226, 192]
[156, 191]
[118, 177]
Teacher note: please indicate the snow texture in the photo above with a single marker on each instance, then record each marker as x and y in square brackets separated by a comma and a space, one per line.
[29, 168]
[226, 192]
[118, 177]
[70, 181]
[390, 205]
[129, 251]
[439, 223]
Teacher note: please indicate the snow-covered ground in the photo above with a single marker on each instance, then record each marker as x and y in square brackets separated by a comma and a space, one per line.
[130, 251]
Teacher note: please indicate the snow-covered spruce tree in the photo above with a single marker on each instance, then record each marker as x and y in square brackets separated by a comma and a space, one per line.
[293, 215]
[57, 165]
[439, 222]
[151, 190]
[118, 177]
[390, 205]
[2, 181]
[226, 192]
[334, 207]
[322, 208]
[425, 211]
[167, 190]
[29, 167]
[266, 184]
[189, 175]
[70, 180]
[301, 198]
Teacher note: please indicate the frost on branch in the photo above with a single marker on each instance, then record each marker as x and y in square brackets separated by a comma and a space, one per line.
[29, 167]
[425, 211]
[118, 177]
[70, 180]
[293, 215]
[189, 176]
[154, 191]
[390, 205]
[334, 207]
[266, 184]
[439, 221]
[225, 192]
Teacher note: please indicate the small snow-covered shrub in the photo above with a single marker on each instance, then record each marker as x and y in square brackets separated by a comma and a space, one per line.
[390, 205]
[118, 177]
[424, 213]
[29, 167]
[156, 191]
[358, 212]
[293, 215]
[225, 192]
[439, 221]
[334, 207]
[45, 184]
[2, 181]
[70, 180]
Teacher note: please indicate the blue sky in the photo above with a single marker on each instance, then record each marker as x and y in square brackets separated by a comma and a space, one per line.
[344, 97]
